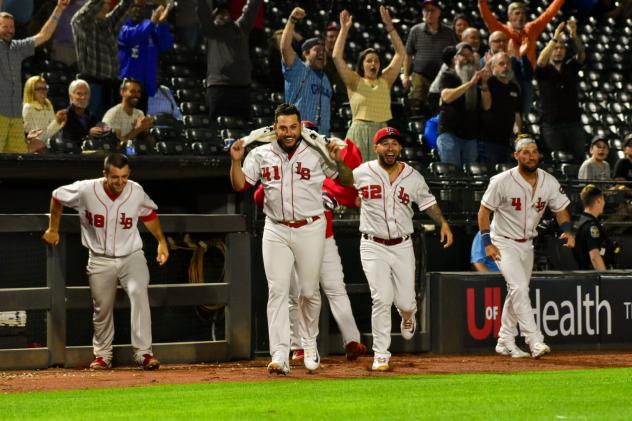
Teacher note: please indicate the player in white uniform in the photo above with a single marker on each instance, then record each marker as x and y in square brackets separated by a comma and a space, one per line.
[292, 174]
[387, 188]
[518, 197]
[109, 210]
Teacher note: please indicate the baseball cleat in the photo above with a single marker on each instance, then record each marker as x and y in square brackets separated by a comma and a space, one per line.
[511, 350]
[100, 364]
[298, 354]
[311, 359]
[407, 327]
[380, 364]
[278, 367]
[150, 362]
[354, 350]
[539, 349]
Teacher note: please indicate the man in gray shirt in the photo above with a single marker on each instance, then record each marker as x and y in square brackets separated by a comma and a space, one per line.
[424, 48]
[13, 52]
[228, 64]
[596, 167]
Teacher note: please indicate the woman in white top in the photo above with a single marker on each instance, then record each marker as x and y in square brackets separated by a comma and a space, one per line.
[37, 110]
[369, 86]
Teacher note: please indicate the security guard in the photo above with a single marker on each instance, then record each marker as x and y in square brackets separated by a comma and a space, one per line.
[593, 249]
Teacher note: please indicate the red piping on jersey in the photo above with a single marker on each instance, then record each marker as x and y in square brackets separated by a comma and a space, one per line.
[398, 181]
[105, 243]
[383, 199]
[280, 169]
[292, 177]
[131, 186]
[148, 218]
[524, 228]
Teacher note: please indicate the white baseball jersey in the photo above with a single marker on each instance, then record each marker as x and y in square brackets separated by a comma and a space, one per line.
[292, 183]
[386, 210]
[108, 227]
[517, 207]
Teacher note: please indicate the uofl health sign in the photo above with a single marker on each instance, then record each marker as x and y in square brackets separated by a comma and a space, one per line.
[572, 309]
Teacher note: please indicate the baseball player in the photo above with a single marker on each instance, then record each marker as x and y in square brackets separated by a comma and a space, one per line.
[331, 274]
[387, 188]
[109, 209]
[518, 197]
[292, 174]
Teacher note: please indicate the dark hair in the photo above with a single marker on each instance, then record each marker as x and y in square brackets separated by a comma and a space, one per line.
[590, 194]
[116, 159]
[461, 16]
[127, 80]
[360, 69]
[286, 109]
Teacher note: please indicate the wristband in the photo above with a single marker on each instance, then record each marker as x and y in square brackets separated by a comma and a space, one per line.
[566, 227]
[486, 238]
[55, 18]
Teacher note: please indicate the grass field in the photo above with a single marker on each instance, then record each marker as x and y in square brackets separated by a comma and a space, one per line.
[604, 394]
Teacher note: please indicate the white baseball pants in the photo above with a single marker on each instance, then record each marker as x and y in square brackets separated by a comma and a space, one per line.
[516, 265]
[104, 274]
[390, 271]
[284, 249]
[333, 285]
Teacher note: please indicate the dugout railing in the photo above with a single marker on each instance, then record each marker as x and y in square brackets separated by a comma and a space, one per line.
[56, 298]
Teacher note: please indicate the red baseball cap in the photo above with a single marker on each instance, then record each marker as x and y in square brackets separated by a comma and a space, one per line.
[385, 132]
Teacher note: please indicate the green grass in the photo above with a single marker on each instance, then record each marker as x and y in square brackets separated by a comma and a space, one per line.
[578, 395]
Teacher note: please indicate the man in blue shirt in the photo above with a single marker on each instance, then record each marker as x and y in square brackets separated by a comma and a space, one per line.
[141, 39]
[306, 84]
[478, 258]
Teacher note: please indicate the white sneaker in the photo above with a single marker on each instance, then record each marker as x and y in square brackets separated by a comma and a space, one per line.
[380, 364]
[539, 349]
[278, 367]
[511, 350]
[311, 359]
[407, 327]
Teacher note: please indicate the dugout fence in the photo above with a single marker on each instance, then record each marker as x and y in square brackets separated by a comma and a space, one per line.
[57, 297]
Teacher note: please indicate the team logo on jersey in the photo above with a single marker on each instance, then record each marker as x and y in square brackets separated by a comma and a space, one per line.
[126, 222]
[303, 172]
[403, 197]
[594, 231]
[540, 205]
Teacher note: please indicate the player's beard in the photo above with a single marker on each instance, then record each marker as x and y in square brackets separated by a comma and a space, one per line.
[384, 163]
[288, 149]
[527, 168]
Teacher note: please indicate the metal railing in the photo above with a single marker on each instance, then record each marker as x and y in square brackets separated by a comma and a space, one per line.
[57, 297]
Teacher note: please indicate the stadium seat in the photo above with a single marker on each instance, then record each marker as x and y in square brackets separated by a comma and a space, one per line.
[171, 147]
[503, 167]
[476, 170]
[195, 121]
[562, 157]
[570, 171]
[194, 107]
[190, 95]
[201, 135]
[443, 169]
[230, 122]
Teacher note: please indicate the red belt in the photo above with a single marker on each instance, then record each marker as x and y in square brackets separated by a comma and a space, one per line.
[520, 240]
[386, 242]
[301, 223]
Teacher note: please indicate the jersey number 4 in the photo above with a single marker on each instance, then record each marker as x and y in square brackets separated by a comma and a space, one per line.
[516, 203]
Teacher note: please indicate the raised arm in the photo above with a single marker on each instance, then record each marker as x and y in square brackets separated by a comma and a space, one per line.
[486, 96]
[579, 46]
[205, 17]
[345, 174]
[545, 54]
[348, 76]
[288, 55]
[153, 226]
[249, 15]
[493, 24]
[540, 23]
[51, 235]
[49, 27]
[237, 176]
[391, 72]
[449, 95]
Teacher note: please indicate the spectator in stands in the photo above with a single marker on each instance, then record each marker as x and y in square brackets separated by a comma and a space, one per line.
[596, 167]
[161, 104]
[623, 167]
[80, 121]
[521, 67]
[472, 36]
[95, 29]
[13, 52]
[337, 84]
[22, 12]
[141, 40]
[461, 105]
[228, 64]
[460, 23]
[127, 121]
[478, 257]
[424, 46]
[306, 84]
[593, 249]
[37, 111]
[277, 81]
[517, 28]
[369, 86]
[502, 120]
[558, 80]
[187, 25]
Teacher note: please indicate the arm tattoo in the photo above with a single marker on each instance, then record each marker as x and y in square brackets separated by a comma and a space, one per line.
[434, 212]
